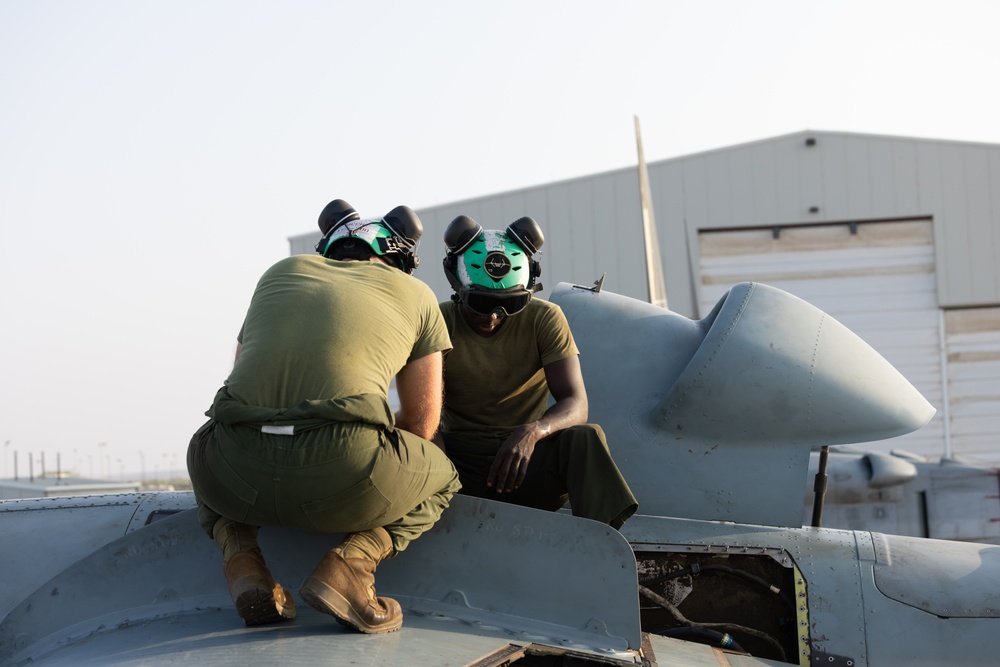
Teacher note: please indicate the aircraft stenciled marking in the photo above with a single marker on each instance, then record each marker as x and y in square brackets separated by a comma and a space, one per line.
[516, 531]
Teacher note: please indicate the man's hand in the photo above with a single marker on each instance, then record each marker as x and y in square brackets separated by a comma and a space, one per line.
[511, 463]
[565, 383]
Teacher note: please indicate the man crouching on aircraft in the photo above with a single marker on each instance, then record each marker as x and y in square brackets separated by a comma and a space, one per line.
[302, 434]
[510, 352]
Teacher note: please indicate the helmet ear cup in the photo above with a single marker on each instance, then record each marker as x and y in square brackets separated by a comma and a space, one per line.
[406, 230]
[526, 232]
[403, 221]
[335, 214]
[461, 233]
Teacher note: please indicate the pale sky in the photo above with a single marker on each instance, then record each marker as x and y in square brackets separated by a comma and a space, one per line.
[156, 156]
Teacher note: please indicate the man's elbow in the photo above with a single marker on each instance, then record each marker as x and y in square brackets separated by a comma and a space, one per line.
[423, 427]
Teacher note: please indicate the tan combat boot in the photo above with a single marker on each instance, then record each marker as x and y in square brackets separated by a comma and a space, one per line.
[258, 598]
[343, 584]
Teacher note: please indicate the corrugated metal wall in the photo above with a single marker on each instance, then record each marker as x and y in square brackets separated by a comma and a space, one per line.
[839, 177]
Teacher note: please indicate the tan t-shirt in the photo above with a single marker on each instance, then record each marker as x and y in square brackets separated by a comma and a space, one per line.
[493, 385]
[319, 328]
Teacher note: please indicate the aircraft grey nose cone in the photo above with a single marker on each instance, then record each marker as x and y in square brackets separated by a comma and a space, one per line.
[773, 367]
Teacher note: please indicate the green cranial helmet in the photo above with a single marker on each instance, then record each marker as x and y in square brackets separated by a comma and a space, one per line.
[494, 261]
[394, 236]
[493, 270]
[369, 230]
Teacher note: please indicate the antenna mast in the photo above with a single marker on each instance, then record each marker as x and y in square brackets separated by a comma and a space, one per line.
[654, 267]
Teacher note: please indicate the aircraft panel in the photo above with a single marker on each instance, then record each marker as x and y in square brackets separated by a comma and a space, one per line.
[941, 577]
[30, 555]
[210, 637]
[498, 569]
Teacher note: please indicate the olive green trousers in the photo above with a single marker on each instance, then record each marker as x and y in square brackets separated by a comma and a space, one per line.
[340, 477]
[573, 465]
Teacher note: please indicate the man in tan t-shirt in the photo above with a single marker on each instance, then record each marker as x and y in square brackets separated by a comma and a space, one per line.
[510, 353]
[302, 434]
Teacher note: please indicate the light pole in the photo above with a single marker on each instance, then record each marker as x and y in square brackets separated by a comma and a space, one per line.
[101, 456]
[6, 444]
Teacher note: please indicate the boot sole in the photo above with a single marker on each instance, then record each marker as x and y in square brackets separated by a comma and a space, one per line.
[325, 599]
[258, 606]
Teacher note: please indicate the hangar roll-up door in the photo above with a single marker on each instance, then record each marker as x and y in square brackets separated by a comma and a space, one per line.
[876, 278]
[973, 344]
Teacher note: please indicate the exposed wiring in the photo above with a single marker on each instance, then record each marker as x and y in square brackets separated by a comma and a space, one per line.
[696, 569]
[723, 639]
[676, 613]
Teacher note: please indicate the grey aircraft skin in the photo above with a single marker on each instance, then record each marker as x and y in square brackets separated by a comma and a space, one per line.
[712, 423]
